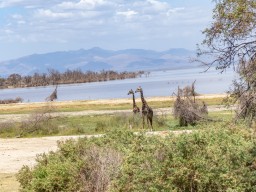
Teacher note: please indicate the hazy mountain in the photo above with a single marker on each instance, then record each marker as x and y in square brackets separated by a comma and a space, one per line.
[97, 59]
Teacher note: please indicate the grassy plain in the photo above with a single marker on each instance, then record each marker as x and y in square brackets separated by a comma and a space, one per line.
[39, 124]
[107, 104]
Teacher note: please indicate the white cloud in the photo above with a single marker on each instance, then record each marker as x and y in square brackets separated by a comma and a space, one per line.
[175, 10]
[21, 22]
[54, 15]
[158, 5]
[88, 14]
[128, 14]
[29, 4]
[8, 31]
[17, 16]
[82, 4]
[10, 3]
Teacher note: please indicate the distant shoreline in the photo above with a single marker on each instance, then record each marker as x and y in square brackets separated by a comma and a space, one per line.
[118, 100]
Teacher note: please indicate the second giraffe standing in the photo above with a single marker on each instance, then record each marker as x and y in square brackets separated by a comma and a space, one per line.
[146, 110]
[135, 108]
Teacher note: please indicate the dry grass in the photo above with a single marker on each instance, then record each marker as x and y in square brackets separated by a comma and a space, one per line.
[102, 104]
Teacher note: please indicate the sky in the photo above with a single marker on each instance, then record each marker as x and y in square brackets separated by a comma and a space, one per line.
[41, 26]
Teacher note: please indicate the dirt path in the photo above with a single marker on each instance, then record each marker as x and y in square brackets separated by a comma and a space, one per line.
[22, 151]
[16, 152]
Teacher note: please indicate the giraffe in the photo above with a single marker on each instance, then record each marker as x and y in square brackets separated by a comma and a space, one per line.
[53, 96]
[146, 110]
[135, 109]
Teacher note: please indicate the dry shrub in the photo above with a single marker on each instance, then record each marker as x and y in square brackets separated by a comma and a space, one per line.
[104, 164]
[7, 129]
[37, 120]
[186, 108]
[7, 101]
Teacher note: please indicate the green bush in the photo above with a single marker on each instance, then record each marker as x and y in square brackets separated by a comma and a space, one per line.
[211, 159]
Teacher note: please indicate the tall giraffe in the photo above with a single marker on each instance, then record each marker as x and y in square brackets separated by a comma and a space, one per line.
[53, 96]
[135, 108]
[146, 110]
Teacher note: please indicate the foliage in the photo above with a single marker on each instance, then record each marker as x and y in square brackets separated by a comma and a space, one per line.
[231, 41]
[211, 159]
[85, 165]
[231, 36]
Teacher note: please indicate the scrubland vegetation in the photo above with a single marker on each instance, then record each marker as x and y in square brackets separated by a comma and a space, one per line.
[216, 157]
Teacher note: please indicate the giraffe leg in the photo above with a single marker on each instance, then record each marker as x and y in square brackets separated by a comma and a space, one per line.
[151, 123]
[143, 121]
[147, 121]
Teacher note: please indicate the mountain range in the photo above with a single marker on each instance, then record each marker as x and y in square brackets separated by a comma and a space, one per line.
[97, 59]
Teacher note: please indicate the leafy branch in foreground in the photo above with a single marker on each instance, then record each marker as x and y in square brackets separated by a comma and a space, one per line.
[230, 41]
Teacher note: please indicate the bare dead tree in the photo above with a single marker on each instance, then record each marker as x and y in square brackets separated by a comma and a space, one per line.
[187, 109]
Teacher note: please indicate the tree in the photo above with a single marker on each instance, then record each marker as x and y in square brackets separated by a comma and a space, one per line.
[230, 41]
[2, 82]
[14, 79]
[54, 76]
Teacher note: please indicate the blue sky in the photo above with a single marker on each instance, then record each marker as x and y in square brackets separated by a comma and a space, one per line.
[40, 26]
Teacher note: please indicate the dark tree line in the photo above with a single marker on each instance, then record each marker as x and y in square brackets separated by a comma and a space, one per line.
[54, 77]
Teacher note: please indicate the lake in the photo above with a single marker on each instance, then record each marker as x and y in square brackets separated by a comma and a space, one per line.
[158, 83]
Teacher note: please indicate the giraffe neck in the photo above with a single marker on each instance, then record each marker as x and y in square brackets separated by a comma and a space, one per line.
[144, 103]
[133, 97]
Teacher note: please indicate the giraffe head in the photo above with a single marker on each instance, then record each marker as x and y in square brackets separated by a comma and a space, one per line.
[139, 89]
[131, 92]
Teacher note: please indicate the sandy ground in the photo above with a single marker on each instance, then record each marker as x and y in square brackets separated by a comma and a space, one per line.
[14, 153]
[22, 151]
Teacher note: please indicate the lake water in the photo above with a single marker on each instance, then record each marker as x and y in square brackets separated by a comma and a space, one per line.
[159, 83]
